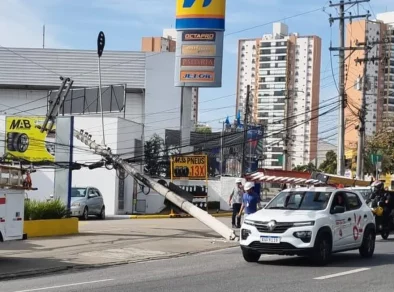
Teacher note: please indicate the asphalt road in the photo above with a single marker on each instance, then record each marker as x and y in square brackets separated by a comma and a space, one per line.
[227, 271]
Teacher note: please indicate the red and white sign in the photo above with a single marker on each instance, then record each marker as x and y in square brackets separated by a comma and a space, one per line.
[357, 228]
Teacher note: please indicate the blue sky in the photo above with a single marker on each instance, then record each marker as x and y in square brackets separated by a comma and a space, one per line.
[75, 24]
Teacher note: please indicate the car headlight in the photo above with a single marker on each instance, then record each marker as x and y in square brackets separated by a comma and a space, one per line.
[248, 222]
[76, 204]
[306, 223]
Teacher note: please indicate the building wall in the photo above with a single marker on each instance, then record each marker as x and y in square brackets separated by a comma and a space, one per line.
[284, 69]
[157, 44]
[315, 96]
[42, 67]
[247, 70]
[388, 67]
[162, 99]
[309, 97]
[372, 32]
[352, 74]
[167, 43]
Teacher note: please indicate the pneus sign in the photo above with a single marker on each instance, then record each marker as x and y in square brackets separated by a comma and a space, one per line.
[200, 28]
[194, 167]
[24, 139]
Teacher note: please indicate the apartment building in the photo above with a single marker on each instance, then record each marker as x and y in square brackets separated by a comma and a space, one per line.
[167, 43]
[283, 71]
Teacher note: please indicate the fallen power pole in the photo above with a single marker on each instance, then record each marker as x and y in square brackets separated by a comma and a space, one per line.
[193, 210]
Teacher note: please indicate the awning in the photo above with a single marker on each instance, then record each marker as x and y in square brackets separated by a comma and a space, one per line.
[282, 177]
[303, 178]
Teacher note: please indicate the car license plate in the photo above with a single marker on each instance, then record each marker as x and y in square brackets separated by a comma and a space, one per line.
[270, 239]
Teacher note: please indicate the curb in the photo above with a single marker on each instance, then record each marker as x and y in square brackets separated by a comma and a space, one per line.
[220, 215]
[80, 267]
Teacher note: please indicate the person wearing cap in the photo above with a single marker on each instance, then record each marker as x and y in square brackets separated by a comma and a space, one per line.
[250, 201]
[236, 201]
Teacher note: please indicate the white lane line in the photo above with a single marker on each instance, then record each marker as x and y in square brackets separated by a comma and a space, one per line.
[342, 274]
[63, 286]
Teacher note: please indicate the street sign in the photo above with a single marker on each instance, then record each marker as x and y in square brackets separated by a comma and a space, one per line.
[375, 158]
[193, 167]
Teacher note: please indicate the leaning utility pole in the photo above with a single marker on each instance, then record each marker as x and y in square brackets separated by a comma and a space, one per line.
[120, 164]
[342, 93]
[246, 122]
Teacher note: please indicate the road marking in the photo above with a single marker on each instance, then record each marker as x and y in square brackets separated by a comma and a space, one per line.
[342, 274]
[63, 286]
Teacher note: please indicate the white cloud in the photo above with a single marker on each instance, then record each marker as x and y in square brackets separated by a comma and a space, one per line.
[20, 26]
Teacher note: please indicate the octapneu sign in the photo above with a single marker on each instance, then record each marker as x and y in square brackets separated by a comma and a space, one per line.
[194, 167]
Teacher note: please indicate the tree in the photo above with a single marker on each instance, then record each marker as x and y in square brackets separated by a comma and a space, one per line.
[381, 143]
[310, 167]
[203, 129]
[329, 165]
[153, 152]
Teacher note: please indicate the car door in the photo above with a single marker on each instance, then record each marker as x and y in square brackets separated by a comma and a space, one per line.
[91, 201]
[341, 225]
[99, 201]
[358, 219]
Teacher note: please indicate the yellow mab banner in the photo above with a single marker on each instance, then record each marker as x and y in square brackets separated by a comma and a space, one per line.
[25, 141]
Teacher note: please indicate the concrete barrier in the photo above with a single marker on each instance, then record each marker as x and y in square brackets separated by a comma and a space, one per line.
[51, 227]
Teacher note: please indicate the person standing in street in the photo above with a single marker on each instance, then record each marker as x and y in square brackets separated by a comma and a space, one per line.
[250, 201]
[236, 202]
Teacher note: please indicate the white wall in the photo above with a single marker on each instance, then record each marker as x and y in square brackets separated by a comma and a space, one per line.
[218, 191]
[117, 131]
[162, 99]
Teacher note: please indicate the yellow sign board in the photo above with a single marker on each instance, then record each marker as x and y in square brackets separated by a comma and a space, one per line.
[199, 50]
[189, 166]
[25, 141]
[200, 14]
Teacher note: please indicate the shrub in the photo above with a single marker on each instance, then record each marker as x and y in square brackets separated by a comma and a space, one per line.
[42, 210]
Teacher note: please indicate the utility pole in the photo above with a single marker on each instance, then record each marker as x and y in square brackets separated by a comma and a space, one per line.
[362, 114]
[342, 93]
[246, 121]
[119, 164]
[363, 110]
[222, 150]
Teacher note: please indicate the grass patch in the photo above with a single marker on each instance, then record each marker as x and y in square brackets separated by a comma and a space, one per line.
[44, 210]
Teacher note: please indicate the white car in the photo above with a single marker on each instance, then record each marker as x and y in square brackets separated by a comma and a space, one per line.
[310, 222]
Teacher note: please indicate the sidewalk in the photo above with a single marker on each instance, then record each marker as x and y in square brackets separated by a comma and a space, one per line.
[105, 243]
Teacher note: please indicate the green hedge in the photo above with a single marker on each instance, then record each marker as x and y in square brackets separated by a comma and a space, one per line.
[41, 210]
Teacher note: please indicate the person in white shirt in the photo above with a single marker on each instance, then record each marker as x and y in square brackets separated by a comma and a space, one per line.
[236, 202]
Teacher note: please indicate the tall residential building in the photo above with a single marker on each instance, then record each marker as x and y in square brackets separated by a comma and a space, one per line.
[379, 35]
[283, 71]
[167, 43]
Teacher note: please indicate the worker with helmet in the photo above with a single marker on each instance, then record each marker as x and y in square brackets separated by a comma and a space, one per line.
[236, 201]
[251, 201]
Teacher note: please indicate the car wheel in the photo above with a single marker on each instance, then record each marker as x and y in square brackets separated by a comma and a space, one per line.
[251, 256]
[102, 213]
[85, 214]
[322, 250]
[368, 245]
[385, 234]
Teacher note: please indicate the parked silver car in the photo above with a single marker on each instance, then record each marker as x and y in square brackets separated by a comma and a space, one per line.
[87, 201]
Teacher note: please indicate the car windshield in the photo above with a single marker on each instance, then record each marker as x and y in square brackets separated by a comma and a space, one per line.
[78, 192]
[300, 200]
